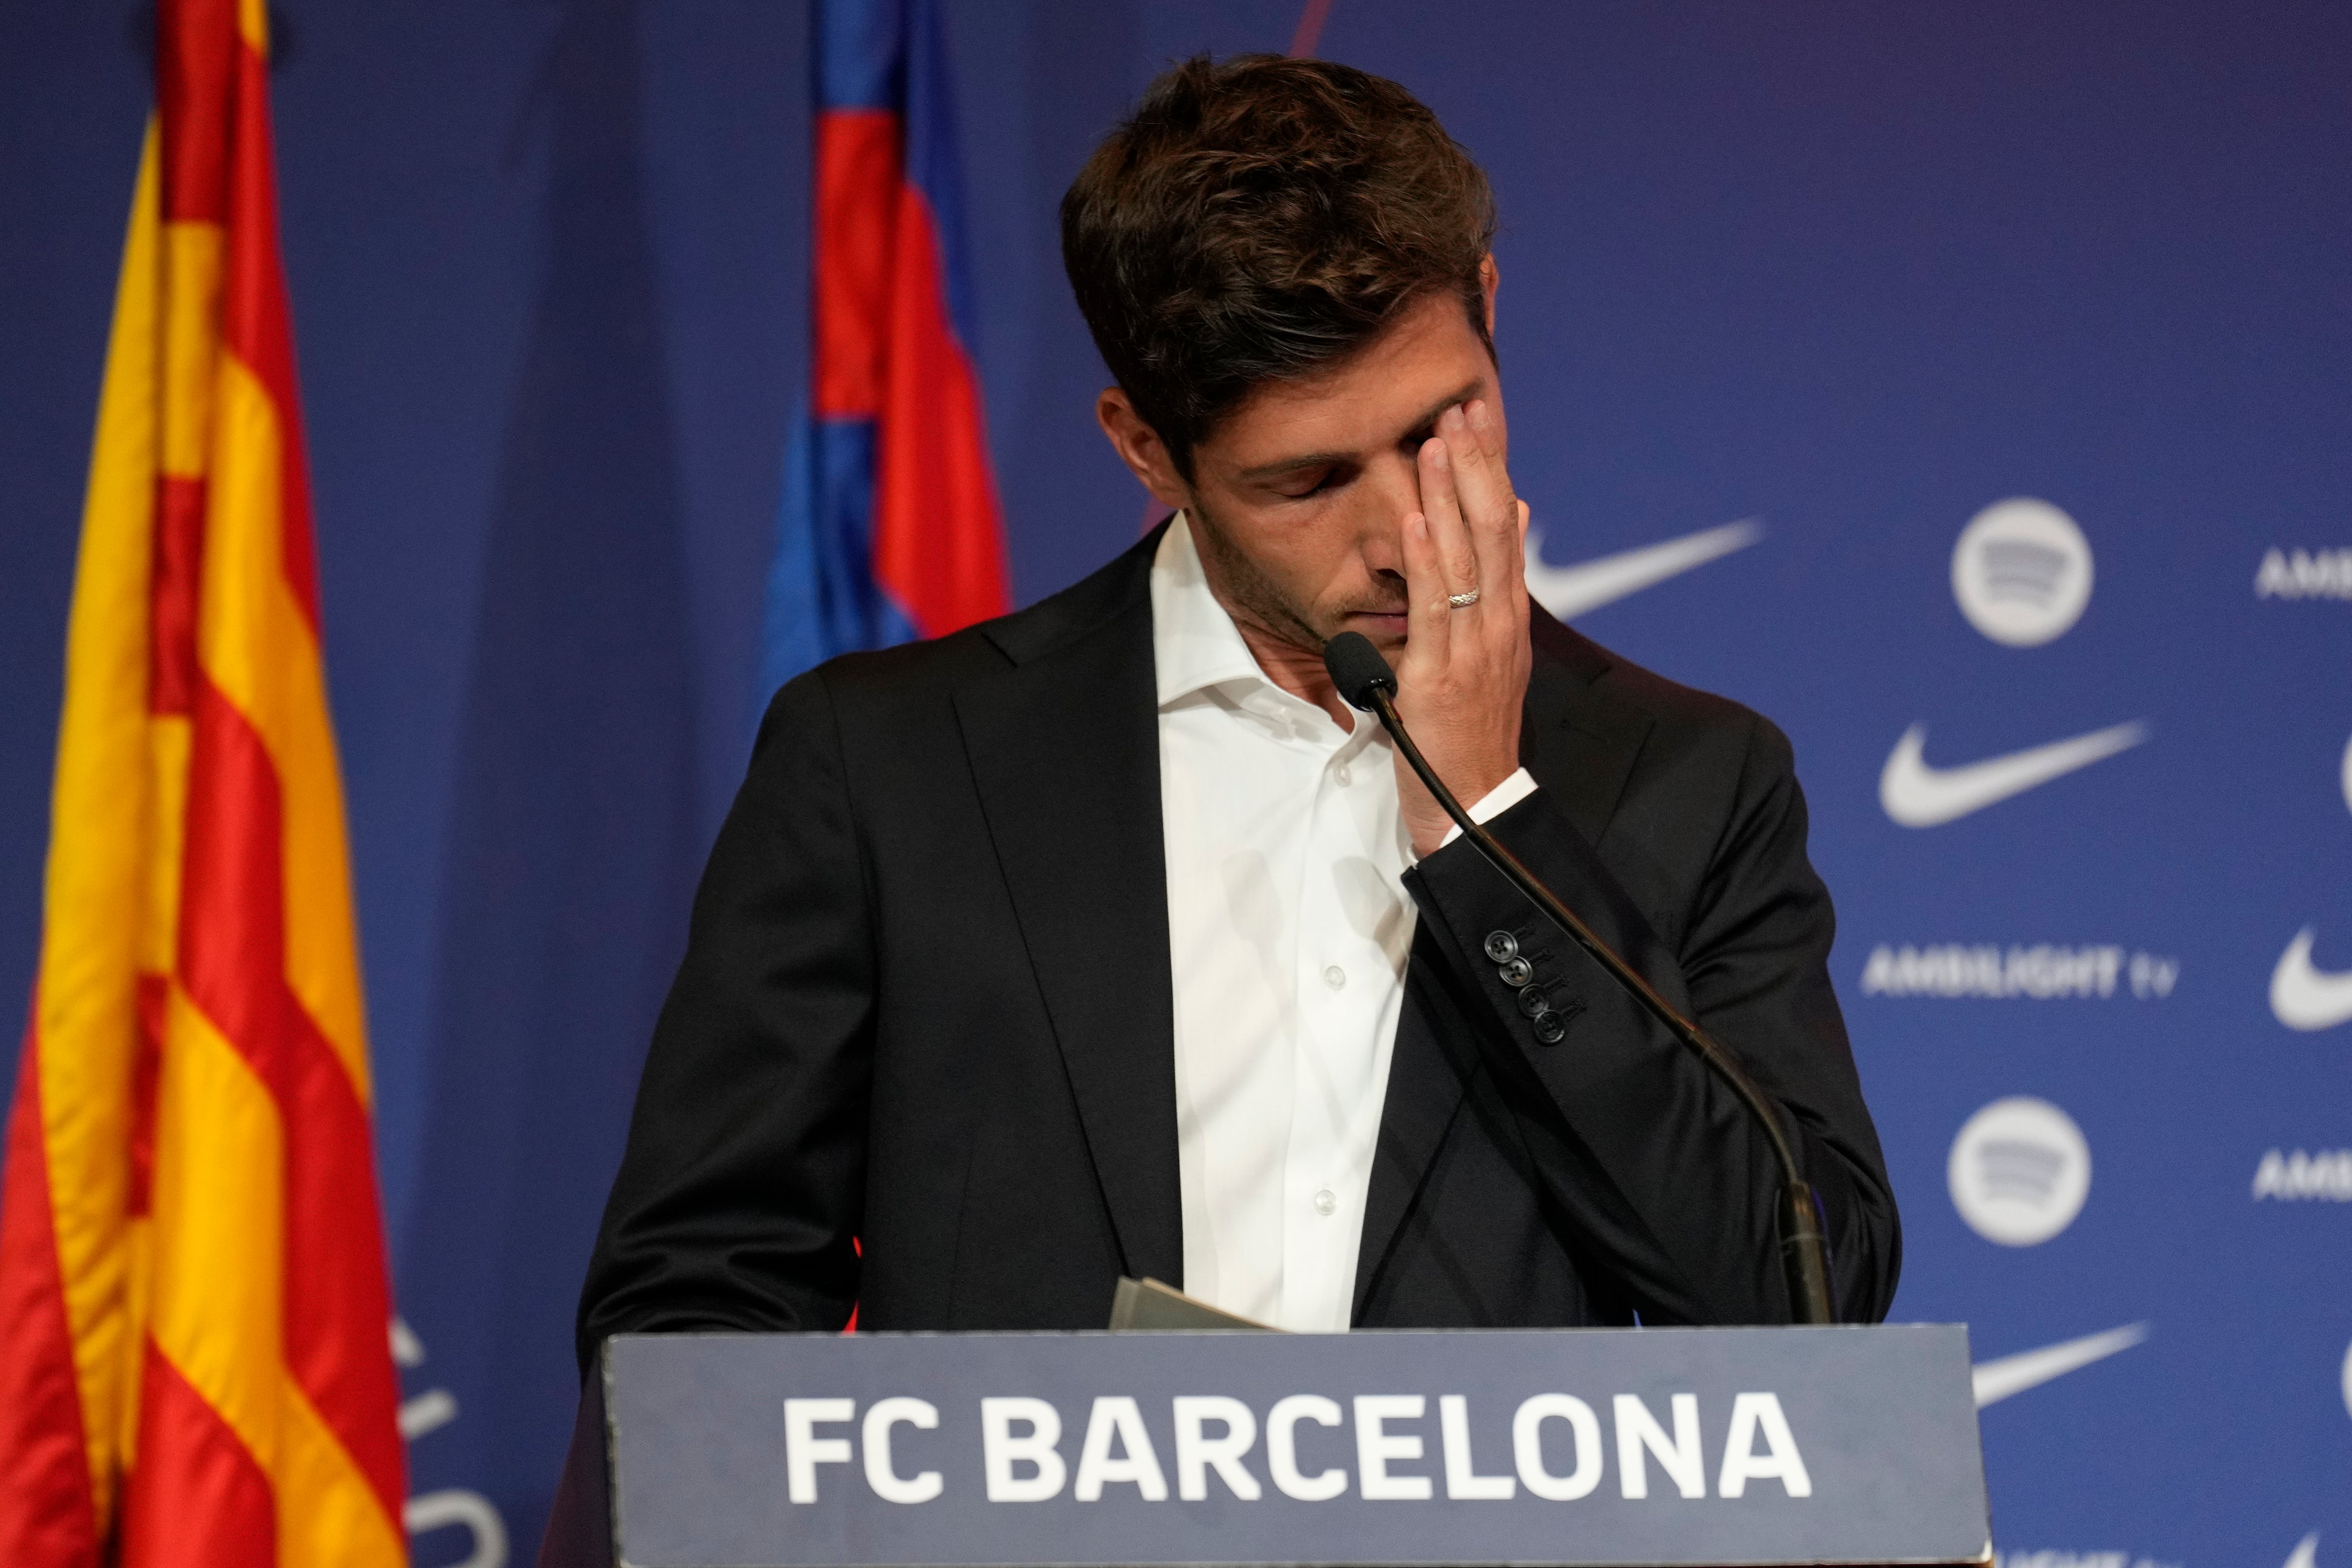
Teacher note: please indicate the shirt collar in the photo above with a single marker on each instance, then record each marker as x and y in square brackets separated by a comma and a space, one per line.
[1196, 648]
[1194, 643]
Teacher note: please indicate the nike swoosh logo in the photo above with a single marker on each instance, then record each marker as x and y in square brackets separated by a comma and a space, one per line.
[1996, 1380]
[2305, 997]
[1918, 796]
[1569, 592]
[2305, 1554]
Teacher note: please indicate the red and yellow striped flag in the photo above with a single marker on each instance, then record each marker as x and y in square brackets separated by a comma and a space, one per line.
[193, 1363]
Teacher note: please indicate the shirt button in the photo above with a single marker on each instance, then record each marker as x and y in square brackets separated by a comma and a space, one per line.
[1502, 946]
[1336, 978]
[1341, 776]
[1325, 1201]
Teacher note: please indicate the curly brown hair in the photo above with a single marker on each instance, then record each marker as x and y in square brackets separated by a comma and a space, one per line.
[1262, 220]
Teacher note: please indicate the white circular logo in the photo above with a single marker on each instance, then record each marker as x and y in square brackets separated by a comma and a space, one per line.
[2347, 775]
[2019, 1171]
[2022, 571]
[2348, 1379]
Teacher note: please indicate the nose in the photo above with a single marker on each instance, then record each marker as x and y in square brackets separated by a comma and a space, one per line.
[1390, 491]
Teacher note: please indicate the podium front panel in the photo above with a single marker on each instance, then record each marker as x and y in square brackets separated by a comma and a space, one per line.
[1569, 1447]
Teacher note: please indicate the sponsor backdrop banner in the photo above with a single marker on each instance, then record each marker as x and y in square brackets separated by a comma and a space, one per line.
[1962, 386]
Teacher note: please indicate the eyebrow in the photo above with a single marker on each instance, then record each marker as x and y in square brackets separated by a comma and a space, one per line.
[1419, 430]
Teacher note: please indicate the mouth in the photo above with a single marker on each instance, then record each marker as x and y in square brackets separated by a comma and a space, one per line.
[1379, 624]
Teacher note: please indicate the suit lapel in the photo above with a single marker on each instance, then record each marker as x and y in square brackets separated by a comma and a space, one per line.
[1577, 741]
[1428, 1075]
[1579, 744]
[1065, 747]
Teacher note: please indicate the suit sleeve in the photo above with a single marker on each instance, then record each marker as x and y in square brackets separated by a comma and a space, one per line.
[1652, 1161]
[739, 1196]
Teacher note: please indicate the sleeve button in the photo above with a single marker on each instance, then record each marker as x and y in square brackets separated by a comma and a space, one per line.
[1517, 973]
[1549, 1029]
[1533, 1002]
[1502, 946]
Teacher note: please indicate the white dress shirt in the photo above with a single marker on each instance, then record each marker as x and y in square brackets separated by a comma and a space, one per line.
[1289, 931]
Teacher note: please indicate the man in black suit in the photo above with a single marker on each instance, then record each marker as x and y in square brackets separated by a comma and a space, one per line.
[1008, 974]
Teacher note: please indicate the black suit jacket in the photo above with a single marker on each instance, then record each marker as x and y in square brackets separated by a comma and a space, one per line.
[919, 1056]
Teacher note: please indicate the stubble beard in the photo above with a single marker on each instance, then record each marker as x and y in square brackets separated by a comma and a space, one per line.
[1253, 595]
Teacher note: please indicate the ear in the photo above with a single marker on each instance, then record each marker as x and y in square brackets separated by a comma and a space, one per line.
[1490, 277]
[1140, 447]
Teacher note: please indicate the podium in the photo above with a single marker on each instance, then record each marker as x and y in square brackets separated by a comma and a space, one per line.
[1541, 1446]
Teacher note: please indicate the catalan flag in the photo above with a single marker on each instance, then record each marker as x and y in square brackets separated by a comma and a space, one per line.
[194, 1361]
[889, 528]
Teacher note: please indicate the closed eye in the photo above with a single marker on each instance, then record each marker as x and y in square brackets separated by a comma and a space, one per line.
[1314, 481]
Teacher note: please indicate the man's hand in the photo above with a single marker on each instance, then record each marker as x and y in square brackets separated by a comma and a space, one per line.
[1464, 675]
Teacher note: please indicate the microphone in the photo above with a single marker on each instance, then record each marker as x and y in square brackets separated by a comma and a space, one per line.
[1365, 681]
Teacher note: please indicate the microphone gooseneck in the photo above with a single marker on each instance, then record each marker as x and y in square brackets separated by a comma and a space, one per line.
[1365, 681]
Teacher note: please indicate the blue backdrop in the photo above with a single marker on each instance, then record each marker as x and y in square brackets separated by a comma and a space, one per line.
[1856, 272]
